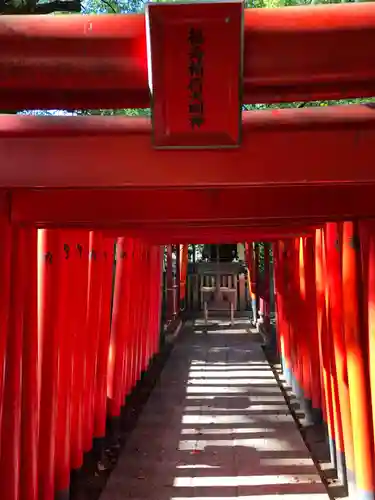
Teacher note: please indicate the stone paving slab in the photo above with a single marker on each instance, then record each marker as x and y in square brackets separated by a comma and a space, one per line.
[216, 426]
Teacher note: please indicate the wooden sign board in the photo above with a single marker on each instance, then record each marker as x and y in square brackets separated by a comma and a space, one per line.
[195, 58]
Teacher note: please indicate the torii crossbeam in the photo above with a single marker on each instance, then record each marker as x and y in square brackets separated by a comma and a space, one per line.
[286, 159]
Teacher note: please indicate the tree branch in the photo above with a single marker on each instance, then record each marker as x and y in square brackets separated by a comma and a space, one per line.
[110, 6]
[58, 6]
[32, 7]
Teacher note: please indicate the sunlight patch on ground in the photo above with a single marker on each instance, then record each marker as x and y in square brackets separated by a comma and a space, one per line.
[309, 496]
[261, 480]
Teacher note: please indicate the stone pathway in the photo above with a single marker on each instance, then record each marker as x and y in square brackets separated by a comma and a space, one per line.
[216, 427]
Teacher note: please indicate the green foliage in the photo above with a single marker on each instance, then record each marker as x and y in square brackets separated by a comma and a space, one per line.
[116, 112]
[17, 7]
[310, 104]
[261, 247]
[112, 6]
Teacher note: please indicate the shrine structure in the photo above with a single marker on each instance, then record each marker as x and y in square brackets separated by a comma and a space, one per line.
[201, 170]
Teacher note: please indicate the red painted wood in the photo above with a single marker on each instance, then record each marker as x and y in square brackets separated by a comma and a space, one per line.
[119, 354]
[5, 278]
[310, 323]
[30, 372]
[369, 228]
[132, 280]
[196, 98]
[104, 337]
[142, 210]
[95, 276]
[64, 321]
[137, 317]
[105, 65]
[50, 260]
[324, 340]
[80, 261]
[109, 152]
[332, 367]
[10, 460]
[334, 277]
[358, 375]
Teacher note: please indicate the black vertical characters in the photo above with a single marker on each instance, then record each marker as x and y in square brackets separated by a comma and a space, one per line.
[195, 86]
[93, 254]
[196, 90]
[196, 121]
[79, 250]
[48, 257]
[67, 251]
[195, 36]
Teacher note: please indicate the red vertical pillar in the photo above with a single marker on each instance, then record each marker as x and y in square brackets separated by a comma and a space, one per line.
[294, 317]
[345, 457]
[150, 297]
[159, 256]
[338, 443]
[92, 331]
[148, 304]
[145, 311]
[358, 377]
[278, 309]
[255, 273]
[311, 329]
[140, 310]
[283, 325]
[161, 292]
[264, 323]
[79, 260]
[371, 313]
[30, 371]
[324, 344]
[132, 328]
[184, 257]
[267, 283]
[104, 338]
[138, 284]
[11, 424]
[151, 300]
[147, 308]
[70, 338]
[63, 320]
[156, 296]
[178, 279]
[149, 312]
[48, 304]
[118, 342]
[305, 340]
[288, 301]
[170, 290]
[5, 279]
[249, 251]
[135, 293]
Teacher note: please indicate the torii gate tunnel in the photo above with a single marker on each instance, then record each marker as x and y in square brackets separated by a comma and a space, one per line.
[202, 170]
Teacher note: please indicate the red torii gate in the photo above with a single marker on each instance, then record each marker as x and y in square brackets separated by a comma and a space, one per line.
[301, 165]
[104, 63]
